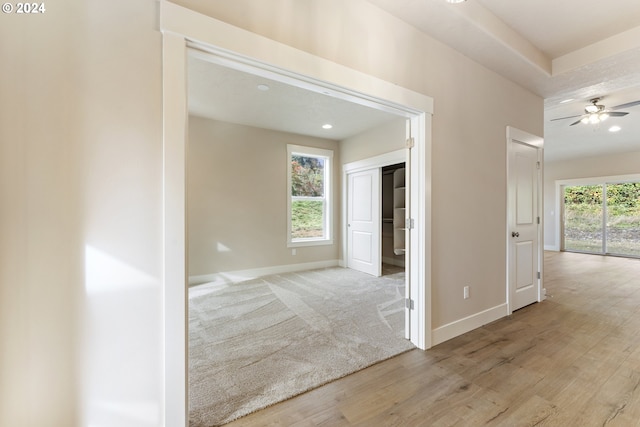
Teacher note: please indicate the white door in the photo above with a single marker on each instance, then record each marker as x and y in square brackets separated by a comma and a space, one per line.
[524, 222]
[364, 222]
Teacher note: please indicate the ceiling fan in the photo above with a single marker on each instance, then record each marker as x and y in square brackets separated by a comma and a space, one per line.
[595, 113]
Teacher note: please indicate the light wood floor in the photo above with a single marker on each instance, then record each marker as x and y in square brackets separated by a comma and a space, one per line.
[572, 360]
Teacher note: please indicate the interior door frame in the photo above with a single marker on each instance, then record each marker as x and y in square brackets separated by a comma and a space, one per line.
[183, 29]
[376, 162]
[515, 135]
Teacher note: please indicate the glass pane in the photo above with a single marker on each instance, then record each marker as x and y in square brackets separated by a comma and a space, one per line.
[583, 218]
[623, 219]
[307, 176]
[307, 219]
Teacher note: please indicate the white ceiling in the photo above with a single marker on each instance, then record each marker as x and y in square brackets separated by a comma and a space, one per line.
[558, 27]
[558, 49]
[221, 93]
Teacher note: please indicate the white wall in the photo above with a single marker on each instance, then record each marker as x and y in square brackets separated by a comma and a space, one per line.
[237, 190]
[80, 218]
[587, 167]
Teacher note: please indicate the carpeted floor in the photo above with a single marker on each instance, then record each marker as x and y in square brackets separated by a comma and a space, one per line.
[259, 342]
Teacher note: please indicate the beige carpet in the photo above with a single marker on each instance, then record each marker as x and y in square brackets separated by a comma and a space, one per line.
[262, 341]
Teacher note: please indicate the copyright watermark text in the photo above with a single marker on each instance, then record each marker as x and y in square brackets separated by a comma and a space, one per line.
[24, 8]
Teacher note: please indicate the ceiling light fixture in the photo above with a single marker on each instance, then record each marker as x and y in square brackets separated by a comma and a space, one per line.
[614, 129]
[455, 1]
[263, 87]
[596, 113]
[595, 118]
[327, 126]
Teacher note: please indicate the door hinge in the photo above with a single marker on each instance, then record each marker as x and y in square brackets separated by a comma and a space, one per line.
[410, 142]
[409, 223]
[537, 165]
[408, 303]
[538, 220]
[538, 275]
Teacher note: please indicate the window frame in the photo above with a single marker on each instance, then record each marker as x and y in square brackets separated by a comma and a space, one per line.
[326, 154]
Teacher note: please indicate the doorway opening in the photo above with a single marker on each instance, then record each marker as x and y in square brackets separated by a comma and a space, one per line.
[235, 189]
[182, 30]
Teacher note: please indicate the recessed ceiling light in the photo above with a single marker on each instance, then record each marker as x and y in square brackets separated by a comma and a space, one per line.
[455, 1]
[614, 129]
[566, 100]
[327, 126]
[263, 87]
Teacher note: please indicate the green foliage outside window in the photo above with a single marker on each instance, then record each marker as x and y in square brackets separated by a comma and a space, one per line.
[307, 197]
[584, 217]
[622, 198]
[307, 176]
[307, 219]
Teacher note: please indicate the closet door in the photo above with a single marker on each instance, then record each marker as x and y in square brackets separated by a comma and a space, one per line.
[364, 222]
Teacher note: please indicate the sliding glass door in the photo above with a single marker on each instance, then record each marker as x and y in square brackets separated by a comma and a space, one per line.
[623, 219]
[603, 218]
[583, 218]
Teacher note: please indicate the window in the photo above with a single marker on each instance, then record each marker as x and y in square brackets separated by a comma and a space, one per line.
[309, 196]
[603, 218]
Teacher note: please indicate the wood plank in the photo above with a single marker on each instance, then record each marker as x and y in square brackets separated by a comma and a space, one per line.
[573, 359]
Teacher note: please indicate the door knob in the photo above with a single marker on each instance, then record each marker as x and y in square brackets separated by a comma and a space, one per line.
[515, 234]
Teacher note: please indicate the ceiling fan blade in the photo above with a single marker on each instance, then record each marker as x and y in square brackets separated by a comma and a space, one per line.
[617, 113]
[575, 123]
[627, 105]
[562, 118]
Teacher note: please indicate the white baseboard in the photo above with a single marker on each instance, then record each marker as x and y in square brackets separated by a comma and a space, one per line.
[551, 248]
[462, 326]
[386, 260]
[241, 275]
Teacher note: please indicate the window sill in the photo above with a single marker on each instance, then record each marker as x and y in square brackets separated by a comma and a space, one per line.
[301, 243]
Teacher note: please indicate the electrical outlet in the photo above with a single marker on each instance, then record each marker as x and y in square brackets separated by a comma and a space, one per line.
[293, 251]
[466, 292]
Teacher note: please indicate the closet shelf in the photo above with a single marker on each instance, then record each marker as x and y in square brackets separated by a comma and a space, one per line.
[399, 211]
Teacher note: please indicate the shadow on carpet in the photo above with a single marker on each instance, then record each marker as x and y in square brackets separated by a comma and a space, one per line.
[259, 342]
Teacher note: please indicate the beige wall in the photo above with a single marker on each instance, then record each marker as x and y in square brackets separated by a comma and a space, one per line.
[373, 142]
[81, 318]
[473, 106]
[237, 182]
[237, 212]
[80, 218]
[587, 167]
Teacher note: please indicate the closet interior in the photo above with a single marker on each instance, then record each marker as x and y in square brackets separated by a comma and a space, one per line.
[393, 214]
